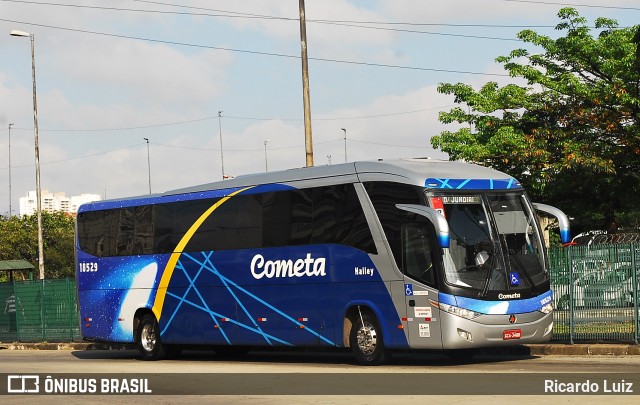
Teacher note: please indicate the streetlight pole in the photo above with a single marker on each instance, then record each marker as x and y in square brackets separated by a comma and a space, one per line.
[266, 161]
[17, 33]
[221, 151]
[148, 164]
[10, 125]
[345, 145]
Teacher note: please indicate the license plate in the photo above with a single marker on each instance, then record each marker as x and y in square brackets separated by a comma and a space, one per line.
[511, 334]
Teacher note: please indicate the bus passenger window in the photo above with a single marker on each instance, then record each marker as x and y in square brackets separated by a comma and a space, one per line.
[417, 258]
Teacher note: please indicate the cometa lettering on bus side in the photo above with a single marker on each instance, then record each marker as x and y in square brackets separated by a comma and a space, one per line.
[308, 267]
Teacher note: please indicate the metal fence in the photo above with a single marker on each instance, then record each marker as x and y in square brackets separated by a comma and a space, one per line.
[596, 292]
[596, 289]
[45, 311]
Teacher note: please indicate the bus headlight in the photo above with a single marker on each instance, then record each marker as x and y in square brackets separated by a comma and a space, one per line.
[548, 308]
[457, 311]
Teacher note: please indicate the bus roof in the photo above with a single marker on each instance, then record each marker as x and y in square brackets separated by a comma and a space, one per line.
[409, 171]
[429, 173]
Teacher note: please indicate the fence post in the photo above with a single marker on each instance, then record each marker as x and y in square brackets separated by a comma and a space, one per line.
[18, 322]
[634, 280]
[69, 309]
[43, 310]
[571, 297]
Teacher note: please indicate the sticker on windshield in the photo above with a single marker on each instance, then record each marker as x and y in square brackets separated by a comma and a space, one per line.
[436, 203]
[515, 278]
[461, 199]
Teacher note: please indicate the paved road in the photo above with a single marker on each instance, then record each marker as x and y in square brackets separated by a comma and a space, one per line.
[315, 369]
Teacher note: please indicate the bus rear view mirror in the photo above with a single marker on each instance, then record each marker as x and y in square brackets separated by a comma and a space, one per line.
[439, 222]
[563, 220]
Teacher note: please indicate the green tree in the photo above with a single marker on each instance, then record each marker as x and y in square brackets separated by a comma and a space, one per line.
[19, 240]
[572, 134]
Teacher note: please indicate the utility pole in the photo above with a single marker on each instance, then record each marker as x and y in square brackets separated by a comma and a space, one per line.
[345, 145]
[266, 164]
[148, 164]
[221, 151]
[308, 142]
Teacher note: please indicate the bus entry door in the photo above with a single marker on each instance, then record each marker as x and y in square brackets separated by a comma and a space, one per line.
[422, 319]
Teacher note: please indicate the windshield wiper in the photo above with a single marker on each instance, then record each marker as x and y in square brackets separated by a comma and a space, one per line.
[492, 268]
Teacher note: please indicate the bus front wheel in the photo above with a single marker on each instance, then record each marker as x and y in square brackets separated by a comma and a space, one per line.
[366, 341]
[148, 338]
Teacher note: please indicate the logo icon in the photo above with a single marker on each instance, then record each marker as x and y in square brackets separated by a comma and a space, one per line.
[23, 384]
[512, 319]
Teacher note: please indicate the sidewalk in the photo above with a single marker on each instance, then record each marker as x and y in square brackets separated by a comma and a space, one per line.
[548, 349]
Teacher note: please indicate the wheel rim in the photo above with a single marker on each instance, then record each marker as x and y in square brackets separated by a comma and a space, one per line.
[367, 339]
[148, 338]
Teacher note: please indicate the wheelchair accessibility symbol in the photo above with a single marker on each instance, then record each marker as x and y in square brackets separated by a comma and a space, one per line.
[408, 289]
[515, 278]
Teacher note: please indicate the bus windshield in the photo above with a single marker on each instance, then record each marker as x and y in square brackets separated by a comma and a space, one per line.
[495, 244]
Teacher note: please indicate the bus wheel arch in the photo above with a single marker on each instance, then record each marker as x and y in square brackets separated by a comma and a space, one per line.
[363, 334]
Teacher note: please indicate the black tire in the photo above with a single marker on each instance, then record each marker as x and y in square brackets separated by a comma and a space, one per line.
[366, 340]
[148, 339]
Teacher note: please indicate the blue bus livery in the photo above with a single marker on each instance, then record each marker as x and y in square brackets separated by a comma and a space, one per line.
[374, 256]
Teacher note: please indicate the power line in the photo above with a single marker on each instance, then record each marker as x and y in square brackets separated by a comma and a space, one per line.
[280, 55]
[419, 32]
[199, 148]
[228, 14]
[233, 117]
[552, 3]
[391, 144]
[352, 24]
[237, 14]
[79, 157]
[343, 118]
[344, 23]
[123, 128]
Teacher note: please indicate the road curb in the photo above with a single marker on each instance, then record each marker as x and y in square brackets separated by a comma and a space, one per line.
[65, 346]
[601, 349]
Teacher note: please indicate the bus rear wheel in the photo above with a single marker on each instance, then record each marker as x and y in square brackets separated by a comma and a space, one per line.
[366, 341]
[148, 338]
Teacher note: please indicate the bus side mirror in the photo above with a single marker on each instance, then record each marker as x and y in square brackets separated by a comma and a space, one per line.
[437, 219]
[563, 220]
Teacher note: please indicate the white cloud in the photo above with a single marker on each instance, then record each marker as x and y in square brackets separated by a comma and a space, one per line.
[155, 73]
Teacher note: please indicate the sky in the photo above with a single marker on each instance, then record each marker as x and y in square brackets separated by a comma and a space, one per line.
[192, 75]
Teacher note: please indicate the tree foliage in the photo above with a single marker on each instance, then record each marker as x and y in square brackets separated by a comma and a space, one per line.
[572, 134]
[19, 240]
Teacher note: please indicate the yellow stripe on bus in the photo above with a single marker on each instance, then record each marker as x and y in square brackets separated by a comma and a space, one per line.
[175, 256]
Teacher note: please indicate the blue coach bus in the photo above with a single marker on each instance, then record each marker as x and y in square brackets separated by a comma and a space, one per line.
[373, 256]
